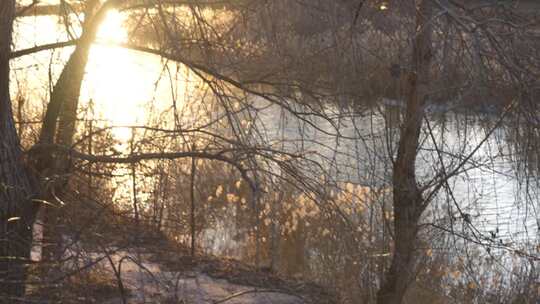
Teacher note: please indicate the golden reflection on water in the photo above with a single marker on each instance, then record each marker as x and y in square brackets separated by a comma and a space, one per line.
[119, 81]
[122, 84]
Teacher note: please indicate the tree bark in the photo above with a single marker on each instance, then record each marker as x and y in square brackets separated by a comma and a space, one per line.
[408, 202]
[17, 212]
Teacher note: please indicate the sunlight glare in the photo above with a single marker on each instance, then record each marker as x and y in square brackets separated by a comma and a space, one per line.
[112, 28]
[116, 81]
[124, 84]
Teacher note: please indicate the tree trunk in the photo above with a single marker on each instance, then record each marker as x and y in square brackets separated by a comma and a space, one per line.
[408, 202]
[17, 213]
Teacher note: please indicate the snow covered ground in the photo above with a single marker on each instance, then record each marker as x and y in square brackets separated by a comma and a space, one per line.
[147, 282]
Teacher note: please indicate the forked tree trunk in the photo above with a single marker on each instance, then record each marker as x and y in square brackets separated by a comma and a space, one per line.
[59, 124]
[61, 110]
[408, 202]
[17, 212]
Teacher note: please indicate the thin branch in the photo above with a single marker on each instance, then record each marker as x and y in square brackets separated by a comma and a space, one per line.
[241, 293]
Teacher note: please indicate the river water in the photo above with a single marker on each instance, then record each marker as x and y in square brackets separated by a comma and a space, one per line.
[498, 186]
